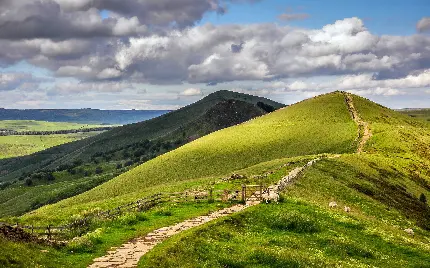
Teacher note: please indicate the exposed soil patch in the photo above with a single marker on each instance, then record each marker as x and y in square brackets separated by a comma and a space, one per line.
[364, 132]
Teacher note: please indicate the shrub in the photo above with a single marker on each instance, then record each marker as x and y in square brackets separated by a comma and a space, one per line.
[28, 182]
[293, 222]
[164, 212]
[423, 198]
[4, 185]
[266, 107]
[99, 170]
[50, 176]
[119, 166]
[86, 242]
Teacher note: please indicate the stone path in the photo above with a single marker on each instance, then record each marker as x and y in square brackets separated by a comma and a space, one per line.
[129, 254]
[362, 124]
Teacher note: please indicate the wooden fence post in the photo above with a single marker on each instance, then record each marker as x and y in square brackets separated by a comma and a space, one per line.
[243, 193]
[261, 191]
[49, 232]
[211, 194]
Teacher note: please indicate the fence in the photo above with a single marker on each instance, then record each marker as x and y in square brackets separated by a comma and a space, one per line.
[247, 192]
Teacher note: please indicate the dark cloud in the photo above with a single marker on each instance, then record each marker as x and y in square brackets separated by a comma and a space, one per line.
[46, 19]
[237, 48]
[62, 19]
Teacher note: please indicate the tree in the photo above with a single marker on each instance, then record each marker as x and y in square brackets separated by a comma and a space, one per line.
[266, 107]
[28, 182]
[50, 176]
[99, 170]
[423, 198]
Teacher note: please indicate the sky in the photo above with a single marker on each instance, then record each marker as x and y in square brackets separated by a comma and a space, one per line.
[163, 54]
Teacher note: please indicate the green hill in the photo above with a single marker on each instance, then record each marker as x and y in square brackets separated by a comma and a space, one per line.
[76, 167]
[302, 129]
[383, 186]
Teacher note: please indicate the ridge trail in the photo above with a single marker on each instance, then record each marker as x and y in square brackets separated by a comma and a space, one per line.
[129, 254]
[364, 132]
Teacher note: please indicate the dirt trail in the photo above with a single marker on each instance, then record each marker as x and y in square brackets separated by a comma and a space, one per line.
[129, 254]
[364, 132]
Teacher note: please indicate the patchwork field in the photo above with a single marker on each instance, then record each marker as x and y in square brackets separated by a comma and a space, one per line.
[32, 125]
[13, 146]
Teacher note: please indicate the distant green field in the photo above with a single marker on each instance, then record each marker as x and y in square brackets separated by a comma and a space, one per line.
[12, 146]
[418, 113]
[17, 145]
[32, 125]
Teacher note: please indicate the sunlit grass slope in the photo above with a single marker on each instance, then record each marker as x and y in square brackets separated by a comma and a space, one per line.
[383, 193]
[393, 132]
[318, 125]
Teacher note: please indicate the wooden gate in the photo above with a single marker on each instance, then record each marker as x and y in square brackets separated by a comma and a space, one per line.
[253, 192]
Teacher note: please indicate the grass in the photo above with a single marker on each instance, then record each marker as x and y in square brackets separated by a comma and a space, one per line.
[82, 251]
[43, 216]
[303, 232]
[394, 133]
[13, 146]
[301, 129]
[33, 125]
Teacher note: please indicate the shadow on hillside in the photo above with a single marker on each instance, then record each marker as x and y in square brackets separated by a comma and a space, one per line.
[383, 188]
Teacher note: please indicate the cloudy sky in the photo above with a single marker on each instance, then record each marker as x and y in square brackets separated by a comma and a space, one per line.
[163, 54]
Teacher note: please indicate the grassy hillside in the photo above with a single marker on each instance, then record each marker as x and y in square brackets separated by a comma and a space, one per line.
[383, 188]
[318, 125]
[393, 132]
[68, 170]
[302, 231]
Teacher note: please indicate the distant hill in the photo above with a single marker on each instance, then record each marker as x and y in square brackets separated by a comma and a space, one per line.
[121, 148]
[83, 116]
